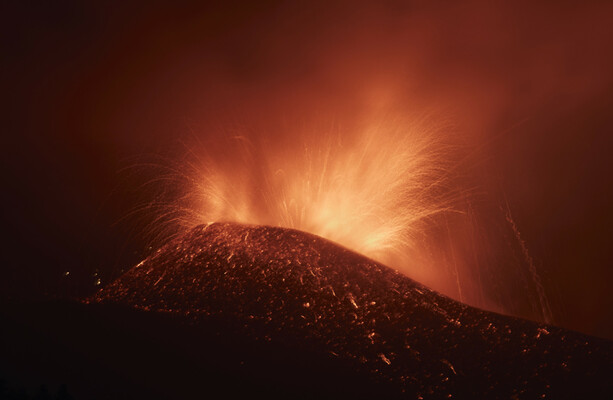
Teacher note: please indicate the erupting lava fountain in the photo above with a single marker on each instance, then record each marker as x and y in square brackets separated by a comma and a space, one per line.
[375, 194]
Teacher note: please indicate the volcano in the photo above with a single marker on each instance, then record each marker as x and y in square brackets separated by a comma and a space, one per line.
[328, 321]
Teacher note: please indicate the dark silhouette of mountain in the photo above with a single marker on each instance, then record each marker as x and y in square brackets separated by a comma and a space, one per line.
[303, 292]
[236, 311]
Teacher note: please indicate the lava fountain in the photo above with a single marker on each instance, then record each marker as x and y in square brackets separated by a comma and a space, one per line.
[375, 191]
[263, 276]
[393, 189]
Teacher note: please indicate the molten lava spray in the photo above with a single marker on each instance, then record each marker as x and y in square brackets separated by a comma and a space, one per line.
[375, 190]
[387, 187]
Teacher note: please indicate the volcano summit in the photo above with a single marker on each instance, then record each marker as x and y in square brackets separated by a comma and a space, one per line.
[311, 299]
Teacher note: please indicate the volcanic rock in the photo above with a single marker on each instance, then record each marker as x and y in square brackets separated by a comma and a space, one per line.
[387, 333]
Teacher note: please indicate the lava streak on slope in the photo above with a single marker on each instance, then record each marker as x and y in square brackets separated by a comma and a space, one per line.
[305, 293]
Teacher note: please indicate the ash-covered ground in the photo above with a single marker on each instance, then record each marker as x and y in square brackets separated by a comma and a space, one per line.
[237, 311]
[303, 292]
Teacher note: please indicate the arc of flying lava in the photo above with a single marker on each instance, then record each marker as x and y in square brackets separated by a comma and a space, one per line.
[373, 191]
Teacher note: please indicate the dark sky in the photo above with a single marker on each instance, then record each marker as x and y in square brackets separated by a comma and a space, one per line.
[92, 91]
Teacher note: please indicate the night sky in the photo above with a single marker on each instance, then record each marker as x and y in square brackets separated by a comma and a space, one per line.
[93, 94]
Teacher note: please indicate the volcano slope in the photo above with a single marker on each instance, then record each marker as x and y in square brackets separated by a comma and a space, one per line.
[341, 323]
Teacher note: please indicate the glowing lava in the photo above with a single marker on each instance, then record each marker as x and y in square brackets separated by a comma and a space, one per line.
[373, 191]
[388, 188]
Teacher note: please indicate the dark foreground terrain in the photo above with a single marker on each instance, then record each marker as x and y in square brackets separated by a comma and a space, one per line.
[240, 311]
